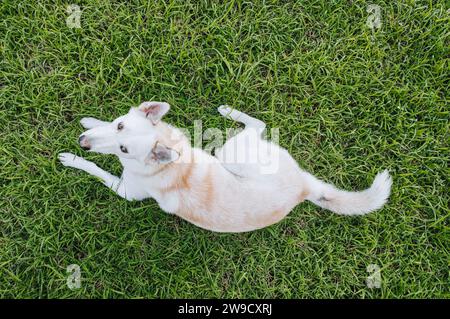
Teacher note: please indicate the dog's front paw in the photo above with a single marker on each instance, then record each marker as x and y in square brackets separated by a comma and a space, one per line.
[224, 110]
[71, 160]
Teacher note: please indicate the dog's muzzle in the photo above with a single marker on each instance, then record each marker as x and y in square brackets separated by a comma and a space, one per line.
[84, 143]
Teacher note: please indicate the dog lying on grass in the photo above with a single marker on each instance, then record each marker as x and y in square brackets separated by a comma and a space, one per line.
[212, 192]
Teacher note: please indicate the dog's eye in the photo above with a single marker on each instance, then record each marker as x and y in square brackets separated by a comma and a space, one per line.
[123, 149]
[120, 126]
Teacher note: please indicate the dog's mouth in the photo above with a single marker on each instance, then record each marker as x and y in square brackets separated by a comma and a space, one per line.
[84, 142]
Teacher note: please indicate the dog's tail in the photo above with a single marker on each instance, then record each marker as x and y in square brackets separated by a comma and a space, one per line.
[349, 203]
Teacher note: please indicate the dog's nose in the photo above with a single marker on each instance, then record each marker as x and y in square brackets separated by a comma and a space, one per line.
[84, 142]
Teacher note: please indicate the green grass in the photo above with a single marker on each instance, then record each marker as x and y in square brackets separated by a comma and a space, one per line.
[349, 102]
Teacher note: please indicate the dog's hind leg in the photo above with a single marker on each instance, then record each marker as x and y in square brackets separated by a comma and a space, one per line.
[247, 120]
[240, 153]
[111, 181]
[90, 122]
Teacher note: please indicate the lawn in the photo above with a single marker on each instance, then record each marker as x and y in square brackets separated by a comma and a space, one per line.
[350, 99]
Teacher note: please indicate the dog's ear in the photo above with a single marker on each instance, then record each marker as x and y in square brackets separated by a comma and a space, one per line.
[161, 154]
[154, 110]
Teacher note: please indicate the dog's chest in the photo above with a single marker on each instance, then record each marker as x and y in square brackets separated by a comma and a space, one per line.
[135, 186]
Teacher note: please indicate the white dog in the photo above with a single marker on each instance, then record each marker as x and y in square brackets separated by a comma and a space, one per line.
[210, 191]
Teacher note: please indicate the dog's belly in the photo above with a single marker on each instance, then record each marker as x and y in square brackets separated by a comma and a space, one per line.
[250, 212]
[233, 223]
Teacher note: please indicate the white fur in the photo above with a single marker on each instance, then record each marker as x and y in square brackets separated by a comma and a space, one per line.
[228, 192]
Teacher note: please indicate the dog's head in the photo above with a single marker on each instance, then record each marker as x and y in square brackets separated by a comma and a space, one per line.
[137, 135]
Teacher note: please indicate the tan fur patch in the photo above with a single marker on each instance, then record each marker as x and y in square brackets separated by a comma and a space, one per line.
[208, 195]
[302, 196]
[181, 183]
[185, 178]
[203, 196]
